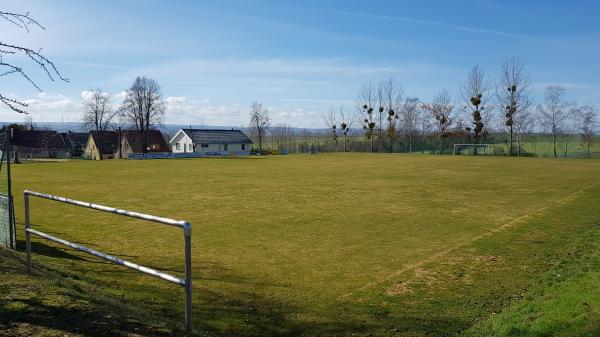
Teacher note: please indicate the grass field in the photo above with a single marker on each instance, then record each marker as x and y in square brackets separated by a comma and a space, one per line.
[340, 244]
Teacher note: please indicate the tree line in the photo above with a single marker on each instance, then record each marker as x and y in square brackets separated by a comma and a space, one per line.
[383, 119]
[484, 110]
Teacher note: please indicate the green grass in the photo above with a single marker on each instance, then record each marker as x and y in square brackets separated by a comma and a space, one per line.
[334, 244]
[568, 303]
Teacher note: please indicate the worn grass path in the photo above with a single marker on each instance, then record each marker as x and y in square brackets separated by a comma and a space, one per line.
[280, 242]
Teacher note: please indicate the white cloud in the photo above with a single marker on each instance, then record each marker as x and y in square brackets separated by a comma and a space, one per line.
[45, 107]
[183, 110]
[88, 94]
[120, 96]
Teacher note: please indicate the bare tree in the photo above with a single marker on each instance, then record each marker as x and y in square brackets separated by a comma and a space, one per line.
[330, 119]
[338, 121]
[366, 101]
[12, 54]
[389, 94]
[523, 123]
[442, 110]
[409, 118]
[570, 125]
[513, 95]
[143, 107]
[424, 122]
[586, 123]
[345, 124]
[259, 121]
[475, 95]
[552, 113]
[98, 112]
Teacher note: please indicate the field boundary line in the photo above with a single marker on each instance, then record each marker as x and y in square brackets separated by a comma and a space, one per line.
[507, 225]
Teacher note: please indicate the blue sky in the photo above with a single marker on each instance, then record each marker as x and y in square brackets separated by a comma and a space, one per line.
[214, 58]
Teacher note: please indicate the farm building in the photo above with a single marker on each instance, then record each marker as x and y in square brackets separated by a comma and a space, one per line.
[122, 143]
[75, 142]
[132, 141]
[211, 142]
[30, 144]
[101, 145]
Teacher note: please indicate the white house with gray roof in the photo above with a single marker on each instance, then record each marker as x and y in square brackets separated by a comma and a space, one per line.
[211, 142]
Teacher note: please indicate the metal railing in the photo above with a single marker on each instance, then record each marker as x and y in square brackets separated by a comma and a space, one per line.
[187, 233]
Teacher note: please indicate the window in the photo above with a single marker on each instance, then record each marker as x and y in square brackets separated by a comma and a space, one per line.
[155, 146]
[177, 146]
[204, 145]
[224, 147]
[243, 147]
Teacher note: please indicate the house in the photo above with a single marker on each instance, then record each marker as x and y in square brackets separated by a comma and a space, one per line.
[28, 144]
[132, 141]
[101, 145]
[75, 142]
[211, 142]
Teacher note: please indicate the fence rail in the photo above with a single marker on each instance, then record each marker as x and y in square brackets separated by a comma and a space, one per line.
[187, 233]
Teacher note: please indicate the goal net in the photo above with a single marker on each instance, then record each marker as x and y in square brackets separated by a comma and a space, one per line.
[473, 149]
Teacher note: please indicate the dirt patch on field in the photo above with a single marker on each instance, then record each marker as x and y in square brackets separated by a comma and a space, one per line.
[454, 269]
[397, 289]
[489, 258]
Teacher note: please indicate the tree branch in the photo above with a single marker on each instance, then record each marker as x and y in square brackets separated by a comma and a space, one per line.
[24, 21]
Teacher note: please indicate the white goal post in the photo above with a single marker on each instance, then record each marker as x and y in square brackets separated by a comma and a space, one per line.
[474, 149]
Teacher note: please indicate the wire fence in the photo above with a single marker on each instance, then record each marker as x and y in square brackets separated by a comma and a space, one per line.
[7, 224]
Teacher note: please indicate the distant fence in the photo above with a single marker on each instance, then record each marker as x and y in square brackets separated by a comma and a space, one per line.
[168, 155]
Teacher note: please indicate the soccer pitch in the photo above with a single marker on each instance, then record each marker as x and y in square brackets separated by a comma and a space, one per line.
[330, 244]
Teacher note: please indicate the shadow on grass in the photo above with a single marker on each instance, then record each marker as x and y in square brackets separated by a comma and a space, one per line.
[40, 317]
[61, 302]
[39, 248]
[63, 252]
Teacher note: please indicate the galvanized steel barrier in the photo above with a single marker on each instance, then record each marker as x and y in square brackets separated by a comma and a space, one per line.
[187, 233]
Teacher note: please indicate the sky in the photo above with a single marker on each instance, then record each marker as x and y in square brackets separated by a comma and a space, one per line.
[299, 58]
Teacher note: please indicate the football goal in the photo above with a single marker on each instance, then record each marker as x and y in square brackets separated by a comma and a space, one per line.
[473, 149]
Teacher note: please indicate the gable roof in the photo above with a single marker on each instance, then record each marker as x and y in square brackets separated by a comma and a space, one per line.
[75, 140]
[40, 139]
[106, 141]
[214, 136]
[136, 141]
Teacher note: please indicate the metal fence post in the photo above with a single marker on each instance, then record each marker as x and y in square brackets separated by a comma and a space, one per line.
[27, 234]
[187, 233]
